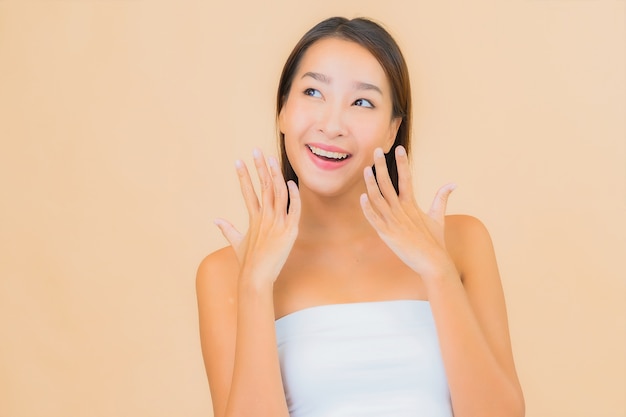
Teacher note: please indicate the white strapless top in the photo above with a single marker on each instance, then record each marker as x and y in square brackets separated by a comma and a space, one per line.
[374, 359]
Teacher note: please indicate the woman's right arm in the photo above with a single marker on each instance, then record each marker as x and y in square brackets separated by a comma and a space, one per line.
[216, 286]
[238, 341]
[235, 300]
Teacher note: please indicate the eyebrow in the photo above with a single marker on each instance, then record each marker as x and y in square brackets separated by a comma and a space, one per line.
[317, 76]
[326, 80]
[368, 86]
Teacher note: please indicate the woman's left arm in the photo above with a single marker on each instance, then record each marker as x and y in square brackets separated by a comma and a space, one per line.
[471, 319]
[455, 258]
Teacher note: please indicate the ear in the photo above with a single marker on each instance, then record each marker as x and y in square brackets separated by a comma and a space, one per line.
[393, 132]
[281, 120]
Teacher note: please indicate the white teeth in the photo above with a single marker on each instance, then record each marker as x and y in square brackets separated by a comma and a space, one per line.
[327, 154]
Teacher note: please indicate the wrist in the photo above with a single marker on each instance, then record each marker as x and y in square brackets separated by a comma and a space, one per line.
[251, 282]
[442, 282]
[437, 265]
[445, 273]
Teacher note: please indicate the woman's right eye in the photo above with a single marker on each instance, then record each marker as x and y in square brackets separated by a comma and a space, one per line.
[312, 92]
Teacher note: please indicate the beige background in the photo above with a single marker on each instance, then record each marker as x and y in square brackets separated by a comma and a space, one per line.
[119, 124]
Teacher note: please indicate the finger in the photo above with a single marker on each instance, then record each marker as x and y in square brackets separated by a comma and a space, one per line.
[230, 233]
[382, 176]
[265, 179]
[438, 209]
[280, 188]
[247, 189]
[374, 195]
[405, 182]
[370, 214]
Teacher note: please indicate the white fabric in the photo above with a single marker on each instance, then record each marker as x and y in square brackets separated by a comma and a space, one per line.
[363, 359]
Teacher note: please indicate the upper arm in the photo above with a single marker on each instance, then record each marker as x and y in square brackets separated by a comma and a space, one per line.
[216, 285]
[470, 245]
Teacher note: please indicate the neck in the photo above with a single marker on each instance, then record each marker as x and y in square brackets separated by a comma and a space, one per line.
[332, 219]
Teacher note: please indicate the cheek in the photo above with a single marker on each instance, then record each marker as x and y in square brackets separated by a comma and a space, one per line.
[373, 130]
[293, 155]
[294, 125]
[296, 119]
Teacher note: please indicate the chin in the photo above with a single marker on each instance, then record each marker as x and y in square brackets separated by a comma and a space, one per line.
[325, 188]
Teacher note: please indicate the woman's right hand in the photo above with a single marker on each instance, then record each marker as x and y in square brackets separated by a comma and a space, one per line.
[272, 231]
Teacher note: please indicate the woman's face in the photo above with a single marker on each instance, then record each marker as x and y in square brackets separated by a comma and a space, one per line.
[338, 111]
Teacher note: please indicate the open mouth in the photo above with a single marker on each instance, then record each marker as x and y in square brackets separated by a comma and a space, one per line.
[328, 155]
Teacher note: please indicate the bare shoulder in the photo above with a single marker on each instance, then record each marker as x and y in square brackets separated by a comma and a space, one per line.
[464, 226]
[218, 270]
[216, 292]
[469, 243]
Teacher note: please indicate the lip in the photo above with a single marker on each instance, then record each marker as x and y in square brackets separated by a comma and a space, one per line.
[323, 163]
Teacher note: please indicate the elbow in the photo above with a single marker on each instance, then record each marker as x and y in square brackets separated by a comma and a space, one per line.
[516, 402]
[503, 403]
[519, 406]
[513, 405]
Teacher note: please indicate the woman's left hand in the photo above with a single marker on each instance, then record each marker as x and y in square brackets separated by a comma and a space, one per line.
[417, 238]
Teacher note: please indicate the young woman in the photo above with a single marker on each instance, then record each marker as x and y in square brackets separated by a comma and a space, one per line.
[343, 298]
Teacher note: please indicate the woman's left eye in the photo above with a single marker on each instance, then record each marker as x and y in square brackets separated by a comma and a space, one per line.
[363, 103]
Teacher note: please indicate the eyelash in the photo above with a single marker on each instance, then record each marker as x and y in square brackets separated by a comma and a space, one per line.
[311, 93]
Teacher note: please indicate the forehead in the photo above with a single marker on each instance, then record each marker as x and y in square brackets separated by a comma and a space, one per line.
[342, 60]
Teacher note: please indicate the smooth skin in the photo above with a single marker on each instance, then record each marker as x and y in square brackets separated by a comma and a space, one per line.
[347, 238]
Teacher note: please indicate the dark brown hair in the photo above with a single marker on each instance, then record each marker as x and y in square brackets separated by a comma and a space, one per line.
[384, 48]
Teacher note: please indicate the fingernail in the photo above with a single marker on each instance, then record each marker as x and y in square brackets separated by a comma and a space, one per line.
[273, 162]
[378, 153]
[368, 172]
[400, 151]
[256, 152]
[291, 184]
[238, 164]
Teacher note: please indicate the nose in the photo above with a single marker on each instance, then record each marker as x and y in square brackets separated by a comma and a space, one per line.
[332, 122]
